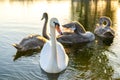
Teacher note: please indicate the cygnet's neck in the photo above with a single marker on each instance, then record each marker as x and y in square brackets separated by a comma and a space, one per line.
[44, 32]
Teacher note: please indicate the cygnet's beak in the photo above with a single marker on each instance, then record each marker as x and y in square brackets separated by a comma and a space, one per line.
[42, 18]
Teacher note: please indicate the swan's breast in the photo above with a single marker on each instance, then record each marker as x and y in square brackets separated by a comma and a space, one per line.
[45, 55]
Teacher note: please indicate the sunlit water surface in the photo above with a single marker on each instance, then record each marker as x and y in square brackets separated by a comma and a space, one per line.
[95, 60]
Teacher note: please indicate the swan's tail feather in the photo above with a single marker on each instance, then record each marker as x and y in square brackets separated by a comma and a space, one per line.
[17, 46]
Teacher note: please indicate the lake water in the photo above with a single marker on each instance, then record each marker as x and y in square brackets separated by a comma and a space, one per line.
[92, 61]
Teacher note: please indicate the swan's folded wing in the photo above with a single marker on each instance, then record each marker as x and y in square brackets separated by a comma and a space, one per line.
[62, 56]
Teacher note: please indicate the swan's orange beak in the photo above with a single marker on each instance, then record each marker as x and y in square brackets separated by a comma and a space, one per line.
[58, 29]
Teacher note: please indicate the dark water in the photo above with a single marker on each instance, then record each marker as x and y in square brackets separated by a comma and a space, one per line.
[92, 61]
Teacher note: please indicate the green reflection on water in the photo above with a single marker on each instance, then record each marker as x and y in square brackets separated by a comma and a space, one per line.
[92, 60]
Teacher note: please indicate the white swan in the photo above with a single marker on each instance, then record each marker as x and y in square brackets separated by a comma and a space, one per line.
[53, 58]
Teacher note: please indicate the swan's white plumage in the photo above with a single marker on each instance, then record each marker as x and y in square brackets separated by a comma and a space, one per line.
[53, 58]
[46, 55]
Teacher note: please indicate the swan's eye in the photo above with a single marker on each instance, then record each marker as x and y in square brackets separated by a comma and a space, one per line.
[56, 23]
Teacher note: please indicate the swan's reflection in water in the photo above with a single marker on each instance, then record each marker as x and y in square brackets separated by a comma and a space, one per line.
[88, 58]
[51, 76]
[28, 53]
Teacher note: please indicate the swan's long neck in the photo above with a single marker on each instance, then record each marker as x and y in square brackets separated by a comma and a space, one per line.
[108, 21]
[84, 35]
[53, 46]
[44, 32]
[79, 28]
[81, 34]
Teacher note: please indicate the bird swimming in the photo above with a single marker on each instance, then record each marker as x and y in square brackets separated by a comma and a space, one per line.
[35, 41]
[79, 35]
[104, 30]
[53, 58]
